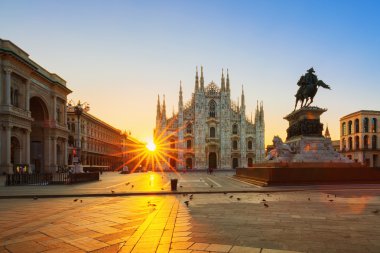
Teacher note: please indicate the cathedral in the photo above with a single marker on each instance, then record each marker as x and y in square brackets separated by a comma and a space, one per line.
[210, 131]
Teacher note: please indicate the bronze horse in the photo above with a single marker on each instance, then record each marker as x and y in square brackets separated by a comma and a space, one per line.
[307, 91]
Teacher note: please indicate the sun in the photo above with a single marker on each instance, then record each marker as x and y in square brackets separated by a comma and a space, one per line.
[151, 146]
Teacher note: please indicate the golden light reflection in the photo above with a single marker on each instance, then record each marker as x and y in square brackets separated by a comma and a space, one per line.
[151, 146]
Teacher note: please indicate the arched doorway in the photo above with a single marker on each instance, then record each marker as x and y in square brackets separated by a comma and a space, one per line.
[173, 163]
[38, 147]
[235, 163]
[212, 163]
[189, 163]
[250, 162]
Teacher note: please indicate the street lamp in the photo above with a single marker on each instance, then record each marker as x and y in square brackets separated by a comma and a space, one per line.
[78, 110]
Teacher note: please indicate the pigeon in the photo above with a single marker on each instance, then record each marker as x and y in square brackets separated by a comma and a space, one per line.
[187, 203]
[331, 200]
[35, 198]
[376, 211]
[224, 193]
[231, 196]
[268, 194]
[238, 199]
[266, 205]
[127, 183]
[308, 199]
[212, 186]
[75, 200]
[162, 189]
[81, 201]
[132, 186]
[183, 195]
[328, 196]
[112, 192]
[152, 204]
[191, 197]
[263, 200]
[335, 195]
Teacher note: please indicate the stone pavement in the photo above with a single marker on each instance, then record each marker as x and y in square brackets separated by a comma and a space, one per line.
[211, 223]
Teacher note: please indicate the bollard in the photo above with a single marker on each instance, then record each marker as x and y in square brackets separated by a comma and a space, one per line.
[173, 184]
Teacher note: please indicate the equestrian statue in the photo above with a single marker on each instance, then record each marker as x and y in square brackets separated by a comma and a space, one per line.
[309, 84]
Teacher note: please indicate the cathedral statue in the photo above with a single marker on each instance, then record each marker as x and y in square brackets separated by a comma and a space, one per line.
[309, 84]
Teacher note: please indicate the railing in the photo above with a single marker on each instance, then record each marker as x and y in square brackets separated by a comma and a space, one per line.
[50, 178]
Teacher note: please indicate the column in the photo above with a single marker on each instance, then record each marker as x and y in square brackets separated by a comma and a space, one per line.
[54, 108]
[27, 147]
[65, 114]
[54, 155]
[7, 98]
[7, 149]
[47, 151]
[27, 94]
[65, 162]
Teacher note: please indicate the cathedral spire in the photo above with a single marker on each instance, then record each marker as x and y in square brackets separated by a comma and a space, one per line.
[196, 80]
[158, 115]
[202, 80]
[180, 102]
[257, 113]
[262, 113]
[242, 97]
[164, 109]
[327, 132]
[228, 82]
[223, 82]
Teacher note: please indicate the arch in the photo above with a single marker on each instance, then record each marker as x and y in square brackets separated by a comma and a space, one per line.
[212, 132]
[366, 125]
[212, 160]
[356, 125]
[357, 142]
[249, 145]
[344, 128]
[234, 129]
[350, 127]
[234, 145]
[365, 141]
[189, 128]
[38, 109]
[374, 142]
[188, 144]
[189, 163]
[374, 125]
[212, 109]
[71, 140]
[343, 144]
[235, 163]
[250, 162]
[350, 143]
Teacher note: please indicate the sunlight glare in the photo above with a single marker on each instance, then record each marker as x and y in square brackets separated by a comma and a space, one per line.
[151, 146]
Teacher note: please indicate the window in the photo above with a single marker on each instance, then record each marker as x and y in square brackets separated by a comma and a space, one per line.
[212, 132]
[374, 125]
[365, 139]
[14, 96]
[374, 142]
[357, 144]
[249, 145]
[344, 128]
[234, 145]
[249, 162]
[343, 144]
[366, 123]
[357, 126]
[234, 129]
[350, 127]
[188, 144]
[212, 109]
[189, 128]
[350, 143]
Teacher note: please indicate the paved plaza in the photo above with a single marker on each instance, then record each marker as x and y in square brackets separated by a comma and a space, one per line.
[229, 216]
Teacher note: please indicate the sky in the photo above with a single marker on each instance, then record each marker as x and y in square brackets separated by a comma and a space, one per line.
[119, 55]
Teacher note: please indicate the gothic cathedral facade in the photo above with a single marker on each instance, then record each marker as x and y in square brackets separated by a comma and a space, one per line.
[210, 131]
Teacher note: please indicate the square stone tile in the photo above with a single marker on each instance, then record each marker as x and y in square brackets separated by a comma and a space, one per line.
[219, 247]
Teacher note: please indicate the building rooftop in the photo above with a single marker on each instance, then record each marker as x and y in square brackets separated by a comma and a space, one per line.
[361, 112]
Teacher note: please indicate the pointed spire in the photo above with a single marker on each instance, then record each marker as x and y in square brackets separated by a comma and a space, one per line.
[223, 82]
[242, 97]
[164, 109]
[180, 102]
[173, 111]
[327, 132]
[202, 80]
[228, 82]
[251, 117]
[257, 113]
[262, 113]
[196, 80]
[158, 107]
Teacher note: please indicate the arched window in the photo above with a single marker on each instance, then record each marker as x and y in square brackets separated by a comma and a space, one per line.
[350, 143]
[188, 144]
[234, 129]
[212, 132]
[357, 126]
[365, 139]
[366, 123]
[350, 127]
[344, 128]
[374, 125]
[343, 144]
[249, 145]
[212, 109]
[374, 142]
[357, 143]
[189, 128]
[234, 145]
